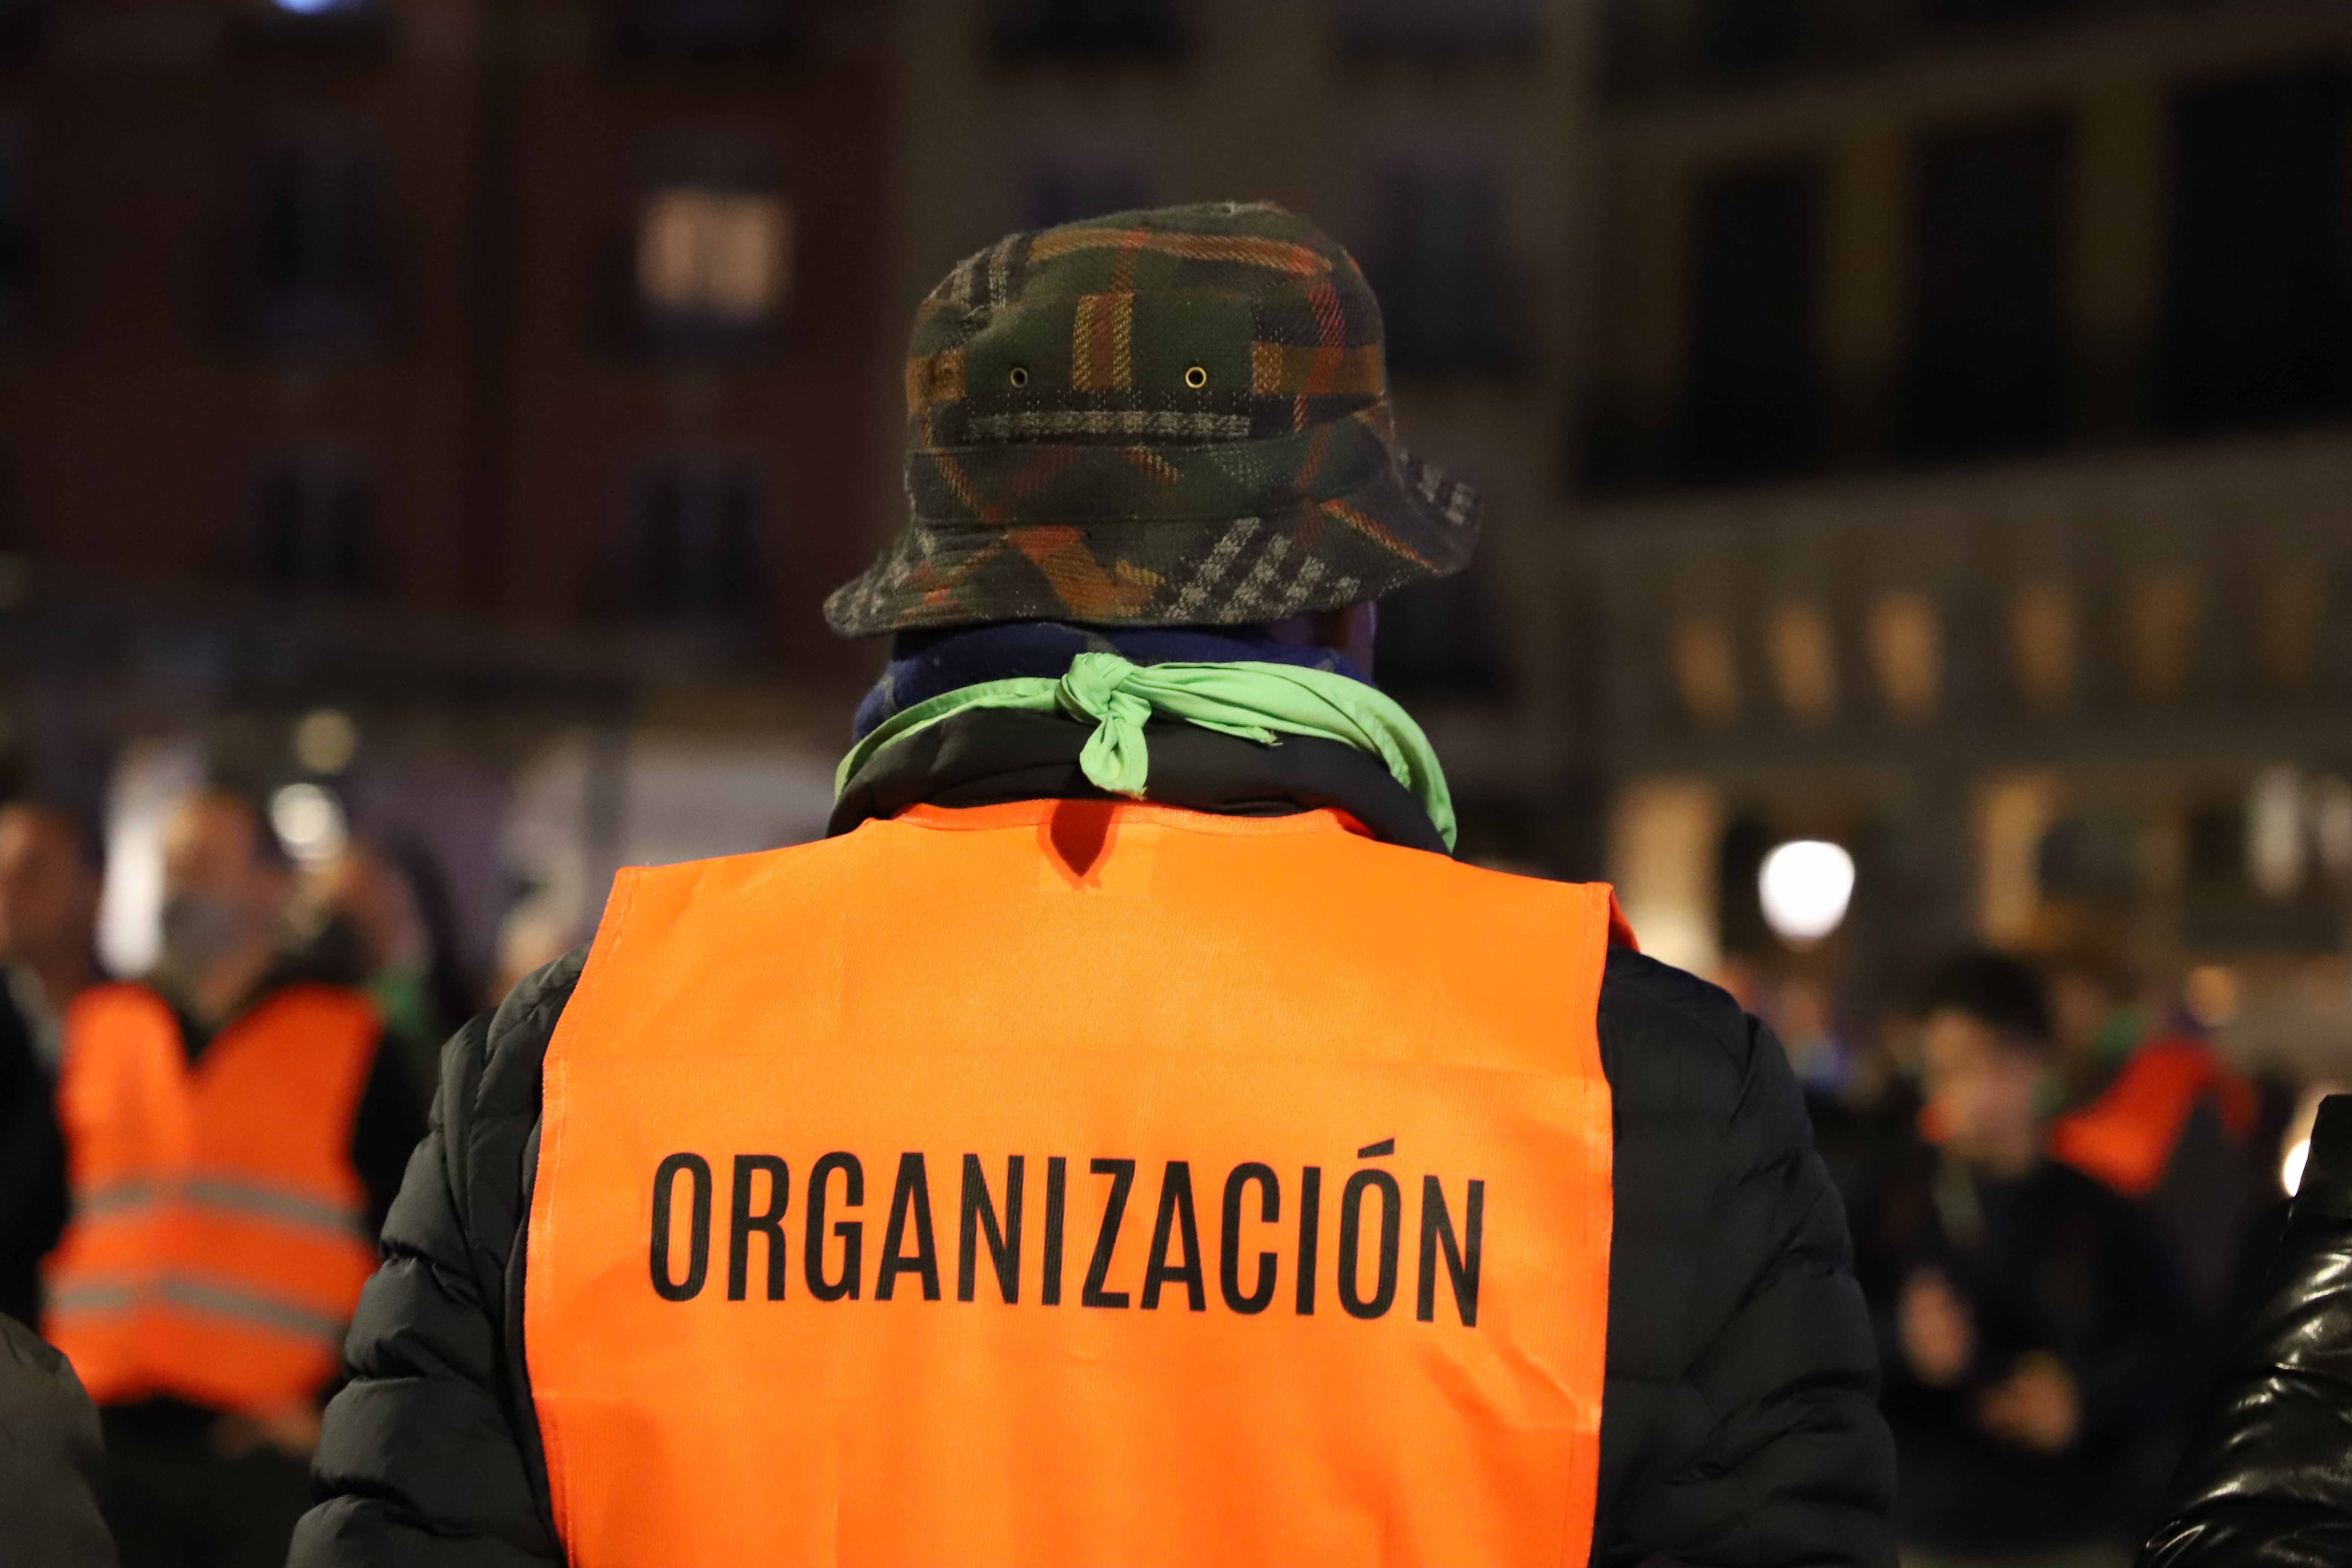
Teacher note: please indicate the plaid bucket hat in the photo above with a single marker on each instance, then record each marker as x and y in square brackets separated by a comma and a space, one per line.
[1174, 417]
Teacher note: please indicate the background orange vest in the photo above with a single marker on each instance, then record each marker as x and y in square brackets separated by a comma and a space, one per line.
[2124, 1138]
[217, 1245]
[1058, 1184]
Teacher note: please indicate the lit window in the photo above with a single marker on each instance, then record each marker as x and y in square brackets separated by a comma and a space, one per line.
[2287, 635]
[1707, 670]
[1906, 647]
[314, 516]
[2278, 847]
[2013, 815]
[713, 257]
[2160, 624]
[1804, 660]
[694, 552]
[2041, 641]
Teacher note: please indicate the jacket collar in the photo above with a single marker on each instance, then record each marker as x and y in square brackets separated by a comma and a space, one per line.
[986, 758]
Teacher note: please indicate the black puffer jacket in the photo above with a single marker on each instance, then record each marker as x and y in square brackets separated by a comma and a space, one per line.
[31, 1167]
[2268, 1481]
[1738, 1424]
[49, 1459]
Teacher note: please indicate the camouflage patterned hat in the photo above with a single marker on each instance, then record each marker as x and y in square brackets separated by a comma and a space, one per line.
[1176, 417]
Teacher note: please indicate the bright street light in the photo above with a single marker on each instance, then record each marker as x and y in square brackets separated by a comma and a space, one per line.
[1805, 886]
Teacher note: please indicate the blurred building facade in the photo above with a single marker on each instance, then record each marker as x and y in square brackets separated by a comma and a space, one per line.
[1923, 425]
[494, 371]
[1962, 464]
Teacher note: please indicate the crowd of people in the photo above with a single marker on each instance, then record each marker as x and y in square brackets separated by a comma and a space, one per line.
[2060, 1198]
[2062, 1201]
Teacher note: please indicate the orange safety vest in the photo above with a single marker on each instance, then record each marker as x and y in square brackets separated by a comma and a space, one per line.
[1068, 1184]
[2124, 1138]
[218, 1241]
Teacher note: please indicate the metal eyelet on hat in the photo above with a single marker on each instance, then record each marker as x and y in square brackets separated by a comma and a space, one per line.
[1019, 375]
[1197, 377]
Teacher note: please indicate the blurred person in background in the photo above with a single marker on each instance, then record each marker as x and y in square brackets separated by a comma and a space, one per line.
[2265, 1484]
[1864, 1109]
[1133, 874]
[2028, 1316]
[50, 869]
[2152, 1110]
[531, 936]
[235, 1136]
[380, 918]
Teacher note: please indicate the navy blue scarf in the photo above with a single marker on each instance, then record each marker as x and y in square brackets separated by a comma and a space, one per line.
[923, 665]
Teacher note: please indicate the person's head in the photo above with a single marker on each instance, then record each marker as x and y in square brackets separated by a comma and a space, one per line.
[1985, 1054]
[2092, 987]
[1169, 418]
[227, 885]
[364, 889]
[51, 867]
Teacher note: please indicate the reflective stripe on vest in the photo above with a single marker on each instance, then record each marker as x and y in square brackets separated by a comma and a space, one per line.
[247, 1198]
[93, 1298]
[216, 1246]
[1077, 1184]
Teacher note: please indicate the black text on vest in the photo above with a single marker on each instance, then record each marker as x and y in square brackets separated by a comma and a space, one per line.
[1136, 1237]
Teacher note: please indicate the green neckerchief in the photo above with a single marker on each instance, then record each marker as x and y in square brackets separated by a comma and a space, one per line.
[402, 996]
[2120, 1035]
[1254, 701]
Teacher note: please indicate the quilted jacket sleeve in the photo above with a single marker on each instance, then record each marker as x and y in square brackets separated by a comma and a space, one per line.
[1740, 1427]
[51, 1459]
[429, 1457]
[2266, 1483]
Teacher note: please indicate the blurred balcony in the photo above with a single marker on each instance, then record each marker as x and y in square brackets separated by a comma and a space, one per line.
[1673, 49]
[1458, 32]
[2151, 609]
[1148, 32]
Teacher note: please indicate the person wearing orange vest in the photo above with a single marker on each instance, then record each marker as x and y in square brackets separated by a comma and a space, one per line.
[234, 1136]
[1130, 1136]
[2157, 1116]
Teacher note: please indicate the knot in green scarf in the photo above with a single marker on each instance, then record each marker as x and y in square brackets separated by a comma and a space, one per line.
[1250, 700]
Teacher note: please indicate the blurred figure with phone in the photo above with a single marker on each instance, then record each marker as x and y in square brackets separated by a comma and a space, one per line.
[2027, 1311]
